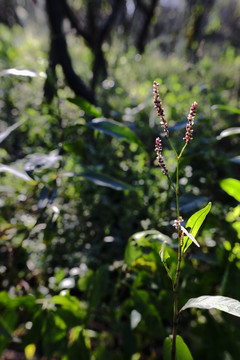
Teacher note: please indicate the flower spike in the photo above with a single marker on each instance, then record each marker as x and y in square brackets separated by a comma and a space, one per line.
[189, 128]
[159, 108]
[158, 150]
[177, 222]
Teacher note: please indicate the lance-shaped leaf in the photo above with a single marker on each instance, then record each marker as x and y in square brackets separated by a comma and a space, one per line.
[226, 108]
[8, 131]
[115, 129]
[86, 106]
[105, 180]
[194, 223]
[228, 132]
[16, 172]
[182, 351]
[232, 187]
[101, 180]
[143, 238]
[164, 255]
[223, 303]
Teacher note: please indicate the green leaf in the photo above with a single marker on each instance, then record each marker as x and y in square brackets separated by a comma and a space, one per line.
[194, 223]
[227, 108]
[70, 303]
[228, 132]
[131, 254]
[115, 129]
[232, 187]
[164, 255]
[223, 303]
[86, 106]
[169, 259]
[144, 238]
[182, 351]
[145, 247]
[16, 172]
[102, 180]
[4, 298]
[27, 302]
[85, 281]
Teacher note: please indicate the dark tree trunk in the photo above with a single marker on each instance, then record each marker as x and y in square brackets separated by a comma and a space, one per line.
[8, 15]
[94, 32]
[99, 64]
[58, 54]
[148, 12]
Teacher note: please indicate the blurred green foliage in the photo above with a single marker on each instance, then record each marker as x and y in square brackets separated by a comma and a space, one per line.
[75, 282]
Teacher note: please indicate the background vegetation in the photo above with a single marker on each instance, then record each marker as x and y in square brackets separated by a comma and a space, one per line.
[78, 177]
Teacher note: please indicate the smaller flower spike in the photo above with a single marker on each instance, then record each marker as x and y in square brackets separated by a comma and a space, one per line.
[159, 108]
[177, 223]
[158, 150]
[189, 128]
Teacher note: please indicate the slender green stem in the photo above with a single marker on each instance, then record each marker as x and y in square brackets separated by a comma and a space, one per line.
[180, 244]
[177, 189]
[176, 280]
[180, 155]
[175, 294]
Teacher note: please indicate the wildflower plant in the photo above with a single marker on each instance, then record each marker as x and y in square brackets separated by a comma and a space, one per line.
[174, 346]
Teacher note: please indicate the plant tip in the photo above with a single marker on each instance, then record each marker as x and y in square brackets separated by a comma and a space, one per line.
[189, 128]
[159, 108]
